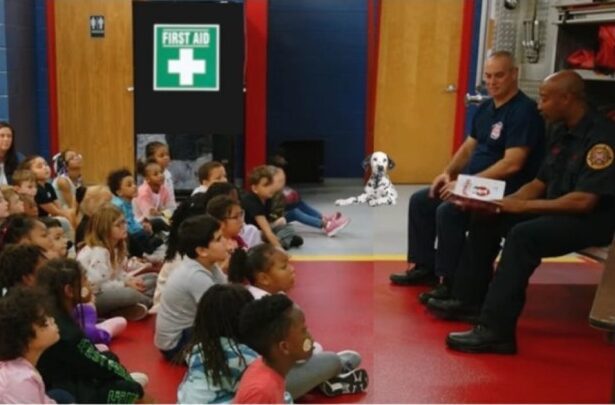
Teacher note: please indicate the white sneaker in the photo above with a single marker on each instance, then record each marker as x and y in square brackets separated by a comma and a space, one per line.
[141, 378]
[350, 360]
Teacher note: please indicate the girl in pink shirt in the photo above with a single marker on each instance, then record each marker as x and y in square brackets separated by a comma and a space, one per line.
[275, 328]
[153, 199]
[26, 331]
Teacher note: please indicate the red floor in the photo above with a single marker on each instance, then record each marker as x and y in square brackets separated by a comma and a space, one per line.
[353, 306]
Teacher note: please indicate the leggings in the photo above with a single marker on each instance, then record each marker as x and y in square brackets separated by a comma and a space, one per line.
[113, 299]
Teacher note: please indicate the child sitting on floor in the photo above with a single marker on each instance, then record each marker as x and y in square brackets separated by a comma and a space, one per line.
[209, 173]
[202, 247]
[193, 206]
[59, 244]
[257, 205]
[26, 331]
[12, 197]
[275, 328]
[153, 201]
[230, 214]
[159, 153]
[141, 238]
[216, 358]
[24, 182]
[67, 166]
[46, 197]
[250, 233]
[267, 270]
[289, 205]
[73, 363]
[18, 264]
[21, 229]
[105, 260]
[94, 198]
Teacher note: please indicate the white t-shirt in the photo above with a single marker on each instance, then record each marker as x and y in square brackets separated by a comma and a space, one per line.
[200, 189]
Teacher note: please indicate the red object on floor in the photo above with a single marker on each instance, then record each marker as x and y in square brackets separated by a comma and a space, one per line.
[353, 306]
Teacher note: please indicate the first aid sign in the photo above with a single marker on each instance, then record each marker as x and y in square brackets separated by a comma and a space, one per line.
[186, 57]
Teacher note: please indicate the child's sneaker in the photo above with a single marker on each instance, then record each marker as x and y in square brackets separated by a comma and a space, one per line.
[296, 241]
[336, 225]
[332, 217]
[141, 378]
[134, 312]
[350, 360]
[352, 382]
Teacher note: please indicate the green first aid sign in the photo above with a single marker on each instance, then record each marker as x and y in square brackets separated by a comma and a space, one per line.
[186, 57]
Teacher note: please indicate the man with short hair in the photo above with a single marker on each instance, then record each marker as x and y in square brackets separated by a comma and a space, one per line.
[568, 206]
[506, 142]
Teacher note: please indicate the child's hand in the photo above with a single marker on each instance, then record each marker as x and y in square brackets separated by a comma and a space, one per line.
[278, 222]
[147, 226]
[136, 283]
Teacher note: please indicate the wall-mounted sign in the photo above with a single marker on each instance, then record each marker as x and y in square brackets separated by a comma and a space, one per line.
[186, 57]
[97, 26]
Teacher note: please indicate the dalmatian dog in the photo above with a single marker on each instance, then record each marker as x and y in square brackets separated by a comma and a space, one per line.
[379, 190]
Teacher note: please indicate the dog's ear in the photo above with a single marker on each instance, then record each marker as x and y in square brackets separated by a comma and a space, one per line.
[391, 163]
[365, 163]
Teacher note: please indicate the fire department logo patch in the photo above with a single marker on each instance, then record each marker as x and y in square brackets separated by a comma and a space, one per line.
[600, 156]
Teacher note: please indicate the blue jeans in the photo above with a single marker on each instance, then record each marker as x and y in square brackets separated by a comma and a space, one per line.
[303, 213]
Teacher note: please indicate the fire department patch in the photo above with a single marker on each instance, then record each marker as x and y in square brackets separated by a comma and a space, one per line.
[600, 156]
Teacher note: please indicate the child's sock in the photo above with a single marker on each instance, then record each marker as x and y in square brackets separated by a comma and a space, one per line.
[113, 326]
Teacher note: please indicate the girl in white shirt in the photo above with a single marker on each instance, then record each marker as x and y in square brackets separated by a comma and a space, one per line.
[105, 260]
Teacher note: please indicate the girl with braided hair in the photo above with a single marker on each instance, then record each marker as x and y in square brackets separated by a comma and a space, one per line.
[216, 359]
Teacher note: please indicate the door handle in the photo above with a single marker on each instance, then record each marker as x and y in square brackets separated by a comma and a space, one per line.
[130, 89]
[451, 88]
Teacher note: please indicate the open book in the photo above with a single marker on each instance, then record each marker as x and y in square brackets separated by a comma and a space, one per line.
[478, 193]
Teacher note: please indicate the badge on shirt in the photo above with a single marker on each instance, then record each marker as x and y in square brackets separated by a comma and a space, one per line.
[496, 130]
[600, 156]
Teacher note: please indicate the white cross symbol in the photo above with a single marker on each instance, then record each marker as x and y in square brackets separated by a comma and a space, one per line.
[186, 66]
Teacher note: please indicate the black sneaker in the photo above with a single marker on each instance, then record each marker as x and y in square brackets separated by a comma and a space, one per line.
[419, 275]
[296, 241]
[441, 292]
[352, 382]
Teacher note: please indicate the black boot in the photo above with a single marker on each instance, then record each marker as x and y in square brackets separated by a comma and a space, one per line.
[482, 339]
[419, 275]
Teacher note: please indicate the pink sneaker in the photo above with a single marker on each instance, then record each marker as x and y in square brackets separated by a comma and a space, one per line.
[332, 217]
[336, 225]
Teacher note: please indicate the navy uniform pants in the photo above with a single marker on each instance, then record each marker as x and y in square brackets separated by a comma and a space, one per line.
[431, 217]
[527, 241]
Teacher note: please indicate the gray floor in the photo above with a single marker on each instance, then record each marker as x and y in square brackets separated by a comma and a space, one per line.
[373, 231]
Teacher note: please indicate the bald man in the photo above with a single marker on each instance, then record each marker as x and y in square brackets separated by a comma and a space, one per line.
[506, 142]
[569, 206]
